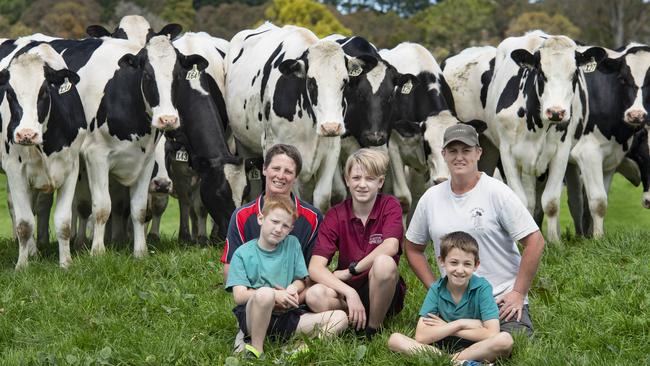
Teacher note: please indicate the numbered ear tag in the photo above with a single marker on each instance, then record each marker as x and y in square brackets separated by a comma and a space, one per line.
[65, 87]
[355, 71]
[193, 74]
[182, 155]
[407, 87]
[590, 66]
[254, 174]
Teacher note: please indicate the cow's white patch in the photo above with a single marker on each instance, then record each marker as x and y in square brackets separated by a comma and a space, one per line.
[136, 28]
[236, 177]
[162, 57]
[376, 76]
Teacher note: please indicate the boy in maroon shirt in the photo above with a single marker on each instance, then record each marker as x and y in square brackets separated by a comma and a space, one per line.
[366, 230]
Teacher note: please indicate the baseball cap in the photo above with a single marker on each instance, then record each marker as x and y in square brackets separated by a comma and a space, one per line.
[460, 132]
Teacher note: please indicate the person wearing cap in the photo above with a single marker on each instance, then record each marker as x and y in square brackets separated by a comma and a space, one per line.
[486, 208]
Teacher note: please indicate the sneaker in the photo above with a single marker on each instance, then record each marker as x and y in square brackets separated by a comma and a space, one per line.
[240, 343]
[472, 363]
[301, 349]
[252, 352]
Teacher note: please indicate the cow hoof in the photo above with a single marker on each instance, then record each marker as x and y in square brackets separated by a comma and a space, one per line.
[65, 263]
[153, 238]
[78, 244]
[21, 265]
[140, 253]
[96, 251]
[203, 241]
[185, 238]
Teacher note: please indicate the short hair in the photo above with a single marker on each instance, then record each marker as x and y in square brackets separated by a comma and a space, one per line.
[280, 202]
[459, 240]
[288, 150]
[373, 162]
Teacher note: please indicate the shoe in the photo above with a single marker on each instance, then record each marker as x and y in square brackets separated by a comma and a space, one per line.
[240, 342]
[252, 352]
[475, 363]
[297, 352]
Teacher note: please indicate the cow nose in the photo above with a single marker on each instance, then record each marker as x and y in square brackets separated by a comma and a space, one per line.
[555, 114]
[635, 117]
[162, 186]
[331, 129]
[26, 136]
[374, 138]
[168, 122]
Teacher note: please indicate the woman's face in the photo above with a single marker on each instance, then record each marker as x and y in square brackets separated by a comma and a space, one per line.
[461, 159]
[280, 175]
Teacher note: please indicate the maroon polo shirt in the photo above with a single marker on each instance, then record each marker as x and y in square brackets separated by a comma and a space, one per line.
[342, 231]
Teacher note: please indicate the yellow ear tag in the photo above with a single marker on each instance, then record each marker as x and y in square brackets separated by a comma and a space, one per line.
[590, 66]
[407, 87]
[65, 87]
[193, 74]
[355, 71]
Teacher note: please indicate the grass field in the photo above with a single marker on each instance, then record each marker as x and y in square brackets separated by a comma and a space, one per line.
[589, 303]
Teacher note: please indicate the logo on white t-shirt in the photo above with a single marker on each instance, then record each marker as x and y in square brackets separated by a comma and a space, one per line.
[477, 218]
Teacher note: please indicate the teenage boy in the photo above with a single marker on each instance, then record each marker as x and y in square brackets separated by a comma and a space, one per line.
[266, 277]
[366, 230]
[459, 312]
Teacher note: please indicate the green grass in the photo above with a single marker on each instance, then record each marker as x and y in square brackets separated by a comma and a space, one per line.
[589, 304]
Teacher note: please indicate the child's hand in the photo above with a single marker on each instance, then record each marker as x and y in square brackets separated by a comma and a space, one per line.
[284, 299]
[433, 320]
[470, 323]
[342, 274]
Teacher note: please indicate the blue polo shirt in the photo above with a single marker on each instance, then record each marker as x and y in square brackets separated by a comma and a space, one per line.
[477, 301]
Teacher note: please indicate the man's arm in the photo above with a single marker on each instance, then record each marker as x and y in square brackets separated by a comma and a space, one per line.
[418, 262]
[511, 304]
[389, 247]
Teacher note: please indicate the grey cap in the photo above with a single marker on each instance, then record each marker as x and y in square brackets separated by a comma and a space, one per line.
[460, 132]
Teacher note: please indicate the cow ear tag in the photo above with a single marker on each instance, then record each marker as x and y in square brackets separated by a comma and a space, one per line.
[65, 87]
[355, 71]
[590, 66]
[182, 155]
[193, 74]
[407, 87]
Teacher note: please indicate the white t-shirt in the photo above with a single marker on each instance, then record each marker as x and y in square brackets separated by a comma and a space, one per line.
[490, 212]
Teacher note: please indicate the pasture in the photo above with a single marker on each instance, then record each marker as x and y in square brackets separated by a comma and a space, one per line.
[589, 304]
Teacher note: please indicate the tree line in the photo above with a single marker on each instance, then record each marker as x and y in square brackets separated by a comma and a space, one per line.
[443, 26]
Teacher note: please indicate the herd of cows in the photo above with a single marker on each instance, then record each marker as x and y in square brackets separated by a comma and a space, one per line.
[116, 122]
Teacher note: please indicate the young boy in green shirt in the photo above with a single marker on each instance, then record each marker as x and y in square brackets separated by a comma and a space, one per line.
[266, 277]
[459, 313]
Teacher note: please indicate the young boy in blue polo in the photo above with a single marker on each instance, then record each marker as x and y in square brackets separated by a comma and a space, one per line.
[266, 277]
[459, 313]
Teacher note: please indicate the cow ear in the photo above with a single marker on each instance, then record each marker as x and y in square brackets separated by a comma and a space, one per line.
[188, 62]
[593, 54]
[405, 83]
[610, 65]
[293, 67]
[408, 128]
[58, 77]
[170, 30]
[4, 77]
[359, 65]
[131, 60]
[523, 58]
[97, 31]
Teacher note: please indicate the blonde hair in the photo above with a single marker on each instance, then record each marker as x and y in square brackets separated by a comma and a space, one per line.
[459, 240]
[373, 162]
[281, 202]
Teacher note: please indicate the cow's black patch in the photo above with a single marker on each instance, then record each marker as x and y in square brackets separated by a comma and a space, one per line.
[521, 112]
[77, 52]
[289, 92]
[7, 147]
[256, 34]
[579, 128]
[92, 125]
[266, 70]
[259, 116]
[66, 118]
[241, 51]
[245, 100]
[7, 47]
[223, 54]
[267, 110]
[510, 92]
[486, 77]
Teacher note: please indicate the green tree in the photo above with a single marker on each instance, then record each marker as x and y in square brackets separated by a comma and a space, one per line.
[383, 30]
[67, 19]
[179, 11]
[305, 13]
[226, 20]
[450, 26]
[555, 24]
[12, 9]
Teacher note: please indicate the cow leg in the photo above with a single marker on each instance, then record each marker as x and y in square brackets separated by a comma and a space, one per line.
[574, 196]
[529, 183]
[339, 192]
[331, 147]
[184, 206]
[489, 157]
[10, 206]
[400, 186]
[62, 216]
[199, 227]
[159, 202]
[551, 196]
[97, 170]
[139, 193]
[591, 167]
[43, 207]
[512, 174]
[24, 217]
[83, 209]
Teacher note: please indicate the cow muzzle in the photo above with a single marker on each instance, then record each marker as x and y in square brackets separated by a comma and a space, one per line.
[555, 114]
[374, 138]
[27, 136]
[635, 117]
[160, 186]
[331, 129]
[167, 122]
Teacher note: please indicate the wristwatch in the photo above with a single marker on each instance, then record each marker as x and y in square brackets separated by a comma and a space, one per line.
[352, 268]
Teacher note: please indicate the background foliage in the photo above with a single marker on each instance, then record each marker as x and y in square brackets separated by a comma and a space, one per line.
[444, 26]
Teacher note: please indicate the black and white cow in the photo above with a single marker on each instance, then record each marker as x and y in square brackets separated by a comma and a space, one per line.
[619, 101]
[219, 175]
[129, 96]
[284, 85]
[160, 187]
[43, 128]
[536, 107]
[426, 102]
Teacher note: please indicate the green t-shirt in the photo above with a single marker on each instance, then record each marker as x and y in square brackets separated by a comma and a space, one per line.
[254, 267]
[477, 301]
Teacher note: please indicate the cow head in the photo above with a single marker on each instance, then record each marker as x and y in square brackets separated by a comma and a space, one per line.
[133, 27]
[371, 98]
[31, 84]
[161, 66]
[633, 74]
[555, 67]
[326, 70]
